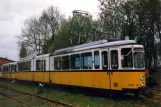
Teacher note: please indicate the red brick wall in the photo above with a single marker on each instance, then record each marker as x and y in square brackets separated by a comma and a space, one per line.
[4, 61]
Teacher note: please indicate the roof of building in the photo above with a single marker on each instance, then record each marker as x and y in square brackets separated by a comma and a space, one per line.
[7, 59]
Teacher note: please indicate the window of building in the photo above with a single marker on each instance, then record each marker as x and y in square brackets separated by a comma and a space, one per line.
[114, 59]
[65, 62]
[86, 60]
[96, 60]
[57, 63]
[75, 61]
[126, 57]
[104, 55]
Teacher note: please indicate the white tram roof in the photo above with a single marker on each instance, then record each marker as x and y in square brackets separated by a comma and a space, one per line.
[92, 45]
[80, 46]
[26, 58]
[32, 57]
[42, 56]
[11, 63]
[108, 44]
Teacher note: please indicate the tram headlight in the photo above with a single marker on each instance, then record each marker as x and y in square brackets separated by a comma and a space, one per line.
[141, 78]
[142, 83]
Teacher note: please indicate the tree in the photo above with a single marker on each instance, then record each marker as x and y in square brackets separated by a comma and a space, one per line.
[23, 51]
[37, 31]
[133, 18]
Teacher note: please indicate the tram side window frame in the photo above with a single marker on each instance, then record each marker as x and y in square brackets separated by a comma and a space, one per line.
[114, 59]
[84, 57]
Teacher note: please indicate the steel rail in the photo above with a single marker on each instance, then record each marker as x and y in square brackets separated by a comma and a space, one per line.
[25, 104]
[40, 97]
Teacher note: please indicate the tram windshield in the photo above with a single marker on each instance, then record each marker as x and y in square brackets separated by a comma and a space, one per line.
[138, 60]
[132, 59]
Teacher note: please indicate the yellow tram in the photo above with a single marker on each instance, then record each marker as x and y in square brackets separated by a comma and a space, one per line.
[117, 65]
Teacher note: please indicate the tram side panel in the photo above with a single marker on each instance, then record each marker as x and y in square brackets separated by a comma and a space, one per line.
[81, 78]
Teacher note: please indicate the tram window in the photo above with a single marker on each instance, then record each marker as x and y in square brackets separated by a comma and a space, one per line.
[12, 68]
[24, 66]
[41, 65]
[65, 62]
[5, 69]
[96, 60]
[75, 61]
[114, 59]
[15, 68]
[38, 64]
[44, 65]
[86, 60]
[57, 63]
[0, 69]
[104, 60]
[126, 57]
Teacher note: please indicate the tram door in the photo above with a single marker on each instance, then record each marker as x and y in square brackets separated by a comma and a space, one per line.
[42, 65]
[114, 65]
[105, 66]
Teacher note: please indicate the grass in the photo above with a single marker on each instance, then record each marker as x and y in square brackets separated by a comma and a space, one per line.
[80, 99]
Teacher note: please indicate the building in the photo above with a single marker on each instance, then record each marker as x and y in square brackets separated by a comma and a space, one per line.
[5, 60]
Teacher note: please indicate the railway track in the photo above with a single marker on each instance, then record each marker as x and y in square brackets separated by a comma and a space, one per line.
[156, 95]
[29, 100]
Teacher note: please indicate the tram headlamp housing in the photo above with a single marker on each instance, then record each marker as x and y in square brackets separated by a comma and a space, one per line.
[142, 83]
[141, 78]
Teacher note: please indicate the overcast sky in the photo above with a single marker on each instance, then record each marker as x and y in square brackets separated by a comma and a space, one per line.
[14, 12]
